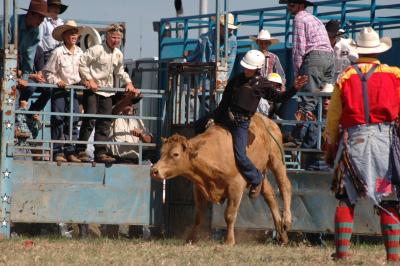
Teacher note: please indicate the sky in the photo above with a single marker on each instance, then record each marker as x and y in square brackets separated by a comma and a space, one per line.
[139, 15]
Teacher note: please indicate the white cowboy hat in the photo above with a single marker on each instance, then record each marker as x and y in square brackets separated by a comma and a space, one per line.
[368, 42]
[89, 37]
[231, 21]
[328, 87]
[69, 25]
[264, 35]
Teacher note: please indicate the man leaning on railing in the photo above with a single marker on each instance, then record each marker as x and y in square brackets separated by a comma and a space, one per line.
[98, 65]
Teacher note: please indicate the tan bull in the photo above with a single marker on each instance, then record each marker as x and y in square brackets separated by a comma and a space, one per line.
[208, 161]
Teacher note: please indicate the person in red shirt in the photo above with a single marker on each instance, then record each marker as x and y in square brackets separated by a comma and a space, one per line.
[364, 105]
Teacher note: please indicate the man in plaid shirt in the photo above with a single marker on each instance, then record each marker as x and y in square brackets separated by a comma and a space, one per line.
[312, 52]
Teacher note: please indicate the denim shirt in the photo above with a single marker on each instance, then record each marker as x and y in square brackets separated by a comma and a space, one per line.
[205, 50]
[28, 40]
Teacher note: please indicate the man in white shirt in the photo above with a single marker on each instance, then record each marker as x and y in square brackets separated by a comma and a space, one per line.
[62, 69]
[98, 66]
[129, 130]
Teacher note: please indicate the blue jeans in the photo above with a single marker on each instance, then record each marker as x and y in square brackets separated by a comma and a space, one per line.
[60, 103]
[239, 131]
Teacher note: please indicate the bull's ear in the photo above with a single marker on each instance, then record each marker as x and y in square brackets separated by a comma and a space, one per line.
[194, 148]
[163, 140]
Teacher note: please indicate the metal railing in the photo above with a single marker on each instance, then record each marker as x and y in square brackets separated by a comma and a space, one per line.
[47, 143]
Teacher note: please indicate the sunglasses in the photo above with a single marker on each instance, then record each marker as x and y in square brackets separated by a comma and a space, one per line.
[115, 27]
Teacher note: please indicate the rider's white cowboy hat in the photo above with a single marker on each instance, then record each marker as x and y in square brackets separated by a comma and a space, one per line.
[264, 35]
[69, 25]
[368, 42]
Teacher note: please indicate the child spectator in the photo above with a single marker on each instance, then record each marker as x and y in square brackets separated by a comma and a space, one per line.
[62, 69]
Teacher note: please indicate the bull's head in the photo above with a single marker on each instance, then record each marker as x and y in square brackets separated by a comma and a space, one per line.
[176, 155]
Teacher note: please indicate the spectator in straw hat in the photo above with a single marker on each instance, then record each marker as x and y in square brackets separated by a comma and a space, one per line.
[272, 63]
[98, 66]
[364, 104]
[205, 48]
[62, 69]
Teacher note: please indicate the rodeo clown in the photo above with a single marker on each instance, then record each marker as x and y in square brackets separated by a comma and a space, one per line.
[239, 103]
[363, 107]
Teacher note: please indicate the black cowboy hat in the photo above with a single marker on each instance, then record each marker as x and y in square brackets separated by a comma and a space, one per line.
[127, 100]
[307, 3]
[57, 3]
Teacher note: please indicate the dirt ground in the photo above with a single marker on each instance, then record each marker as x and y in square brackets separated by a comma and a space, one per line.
[101, 251]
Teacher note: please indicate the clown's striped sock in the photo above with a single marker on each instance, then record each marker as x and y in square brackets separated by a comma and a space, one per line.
[344, 218]
[391, 233]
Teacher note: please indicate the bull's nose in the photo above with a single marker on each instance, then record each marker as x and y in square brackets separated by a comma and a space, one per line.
[153, 172]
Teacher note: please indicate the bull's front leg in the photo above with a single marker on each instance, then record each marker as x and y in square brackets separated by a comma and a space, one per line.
[231, 214]
[201, 205]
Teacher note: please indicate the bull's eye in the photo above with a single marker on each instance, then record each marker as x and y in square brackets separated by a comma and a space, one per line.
[175, 154]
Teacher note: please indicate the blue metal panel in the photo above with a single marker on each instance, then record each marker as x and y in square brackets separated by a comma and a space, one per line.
[313, 208]
[45, 192]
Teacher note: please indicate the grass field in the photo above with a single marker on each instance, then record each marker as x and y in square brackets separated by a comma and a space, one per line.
[55, 251]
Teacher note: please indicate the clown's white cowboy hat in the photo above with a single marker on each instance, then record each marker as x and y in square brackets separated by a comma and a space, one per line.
[264, 35]
[368, 42]
[69, 25]
[231, 21]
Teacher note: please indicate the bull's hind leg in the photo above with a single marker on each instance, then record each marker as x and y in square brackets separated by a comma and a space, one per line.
[234, 198]
[269, 196]
[201, 205]
[285, 187]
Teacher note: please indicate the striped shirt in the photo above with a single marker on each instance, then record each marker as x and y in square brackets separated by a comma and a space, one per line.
[309, 34]
[273, 65]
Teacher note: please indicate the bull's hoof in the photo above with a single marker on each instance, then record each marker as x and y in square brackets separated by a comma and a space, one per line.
[229, 242]
[283, 238]
[287, 221]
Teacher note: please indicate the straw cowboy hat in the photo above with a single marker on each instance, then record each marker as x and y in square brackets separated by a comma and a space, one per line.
[69, 25]
[368, 42]
[231, 21]
[39, 7]
[264, 35]
[57, 3]
[307, 3]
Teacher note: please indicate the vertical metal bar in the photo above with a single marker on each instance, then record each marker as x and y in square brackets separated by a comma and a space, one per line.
[8, 99]
[187, 99]
[196, 94]
[6, 25]
[260, 20]
[343, 13]
[71, 111]
[15, 31]
[226, 35]
[217, 31]
[373, 10]
[320, 103]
